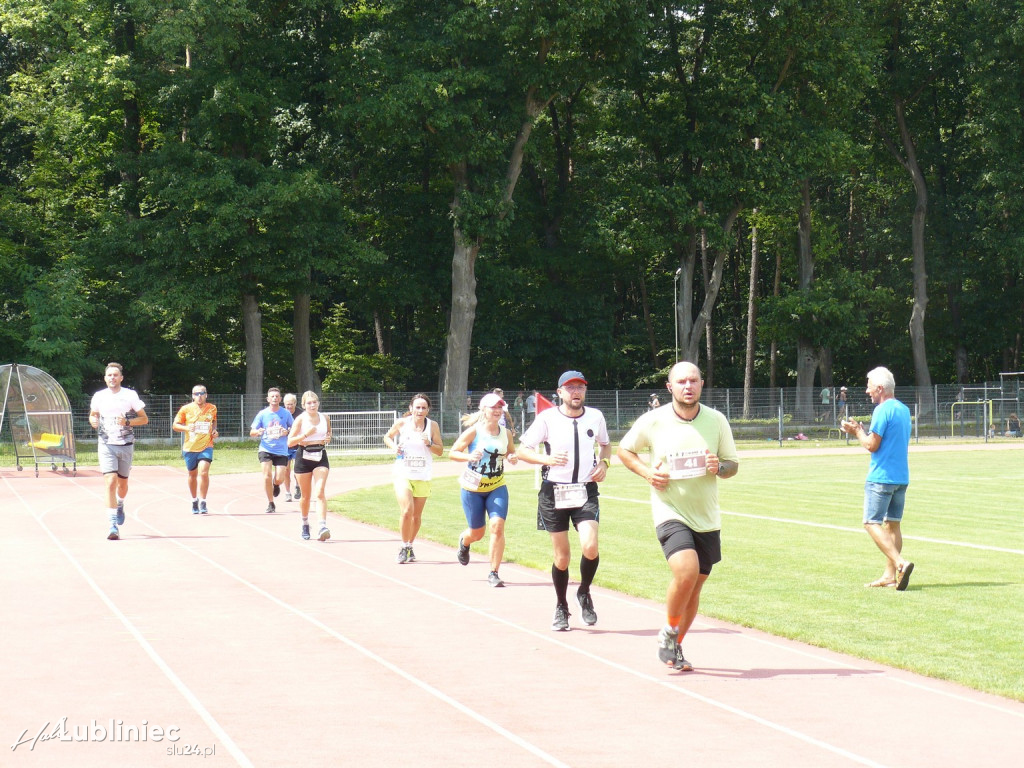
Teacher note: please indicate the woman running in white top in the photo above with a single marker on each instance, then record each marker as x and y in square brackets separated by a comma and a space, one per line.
[416, 440]
[311, 433]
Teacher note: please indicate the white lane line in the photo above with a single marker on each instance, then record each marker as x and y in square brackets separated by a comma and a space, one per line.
[162, 665]
[884, 672]
[547, 637]
[422, 684]
[544, 637]
[844, 529]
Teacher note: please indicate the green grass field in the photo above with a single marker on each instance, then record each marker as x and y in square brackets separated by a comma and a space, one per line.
[796, 556]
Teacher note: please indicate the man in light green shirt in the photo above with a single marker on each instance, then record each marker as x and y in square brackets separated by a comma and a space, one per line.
[690, 447]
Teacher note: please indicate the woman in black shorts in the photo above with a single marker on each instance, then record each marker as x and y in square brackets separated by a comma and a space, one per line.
[311, 433]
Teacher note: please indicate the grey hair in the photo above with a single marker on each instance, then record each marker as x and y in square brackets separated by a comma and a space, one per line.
[884, 378]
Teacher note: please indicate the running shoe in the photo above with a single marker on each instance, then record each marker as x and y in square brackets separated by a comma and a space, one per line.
[271, 508]
[305, 531]
[463, 553]
[324, 534]
[202, 508]
[681, 663]
[403, 556]
[287, 496]
[120, 512]
[410, 556]
[113, 535]
[277, 490]
[195, 507]
[298, 493]
[494, 579]
[561, 621]
[587, 608]
[667, 646]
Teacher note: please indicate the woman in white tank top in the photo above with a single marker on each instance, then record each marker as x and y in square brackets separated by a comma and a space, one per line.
[416, 440]
[310, 434]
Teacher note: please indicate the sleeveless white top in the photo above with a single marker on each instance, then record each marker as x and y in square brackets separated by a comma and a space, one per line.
[319, 436]
[416, 461]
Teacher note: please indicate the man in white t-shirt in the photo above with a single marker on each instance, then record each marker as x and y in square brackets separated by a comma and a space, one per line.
[578, 459]
[691, 447]
[114, 413]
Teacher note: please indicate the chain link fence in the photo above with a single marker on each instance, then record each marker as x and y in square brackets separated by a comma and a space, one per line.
[980, 411]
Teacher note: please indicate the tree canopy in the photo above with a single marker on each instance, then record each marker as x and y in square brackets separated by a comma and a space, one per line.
[421, 195]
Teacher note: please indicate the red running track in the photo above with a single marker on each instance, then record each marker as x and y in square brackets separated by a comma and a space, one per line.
[240, 641]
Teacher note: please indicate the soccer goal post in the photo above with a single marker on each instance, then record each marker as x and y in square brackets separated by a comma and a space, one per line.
[359, 431]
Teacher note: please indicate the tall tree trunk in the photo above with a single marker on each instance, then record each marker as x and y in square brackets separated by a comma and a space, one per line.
[463, 315]
[709, 346]
[922, 376]
[252, 325]
[908, 159]
[691, 329]
[748, 365]
[378, 332]
[305, 372]
[455, 367]
[455, 371]
[806, 349]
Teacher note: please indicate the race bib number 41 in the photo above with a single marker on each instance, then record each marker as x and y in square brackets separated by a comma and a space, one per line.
[686, 465]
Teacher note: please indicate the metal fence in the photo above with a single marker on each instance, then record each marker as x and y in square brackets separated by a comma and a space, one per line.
[976, 411]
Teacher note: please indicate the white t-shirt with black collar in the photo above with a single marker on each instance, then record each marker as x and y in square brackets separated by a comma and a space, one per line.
[578, 436]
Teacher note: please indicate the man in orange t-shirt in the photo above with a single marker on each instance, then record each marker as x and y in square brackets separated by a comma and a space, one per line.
[198, 422]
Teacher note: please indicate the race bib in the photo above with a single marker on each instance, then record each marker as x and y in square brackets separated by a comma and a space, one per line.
[314, 455]
[416, 462]
[470, 479]
[686, 465]
[275, 431]
[570, 495]
[202, 427]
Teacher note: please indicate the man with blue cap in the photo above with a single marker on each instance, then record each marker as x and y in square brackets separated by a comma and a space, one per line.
[577, 459]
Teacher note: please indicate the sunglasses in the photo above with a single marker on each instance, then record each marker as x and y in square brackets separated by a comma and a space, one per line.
[197, 394]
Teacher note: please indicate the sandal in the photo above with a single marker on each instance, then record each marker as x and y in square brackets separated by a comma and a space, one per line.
[903, 573]
[882, 582]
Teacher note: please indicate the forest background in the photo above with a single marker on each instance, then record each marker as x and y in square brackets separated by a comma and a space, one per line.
[452, 195]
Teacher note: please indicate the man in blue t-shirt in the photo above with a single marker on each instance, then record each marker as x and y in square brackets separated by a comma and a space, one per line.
[271, 426]
[888, 440]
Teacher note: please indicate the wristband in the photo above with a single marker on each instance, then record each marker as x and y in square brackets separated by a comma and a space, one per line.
[607, 463]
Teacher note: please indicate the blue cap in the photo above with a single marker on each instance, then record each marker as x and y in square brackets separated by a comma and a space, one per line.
[568, 376]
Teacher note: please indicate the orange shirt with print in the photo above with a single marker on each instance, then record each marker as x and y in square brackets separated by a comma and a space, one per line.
[200, 421]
